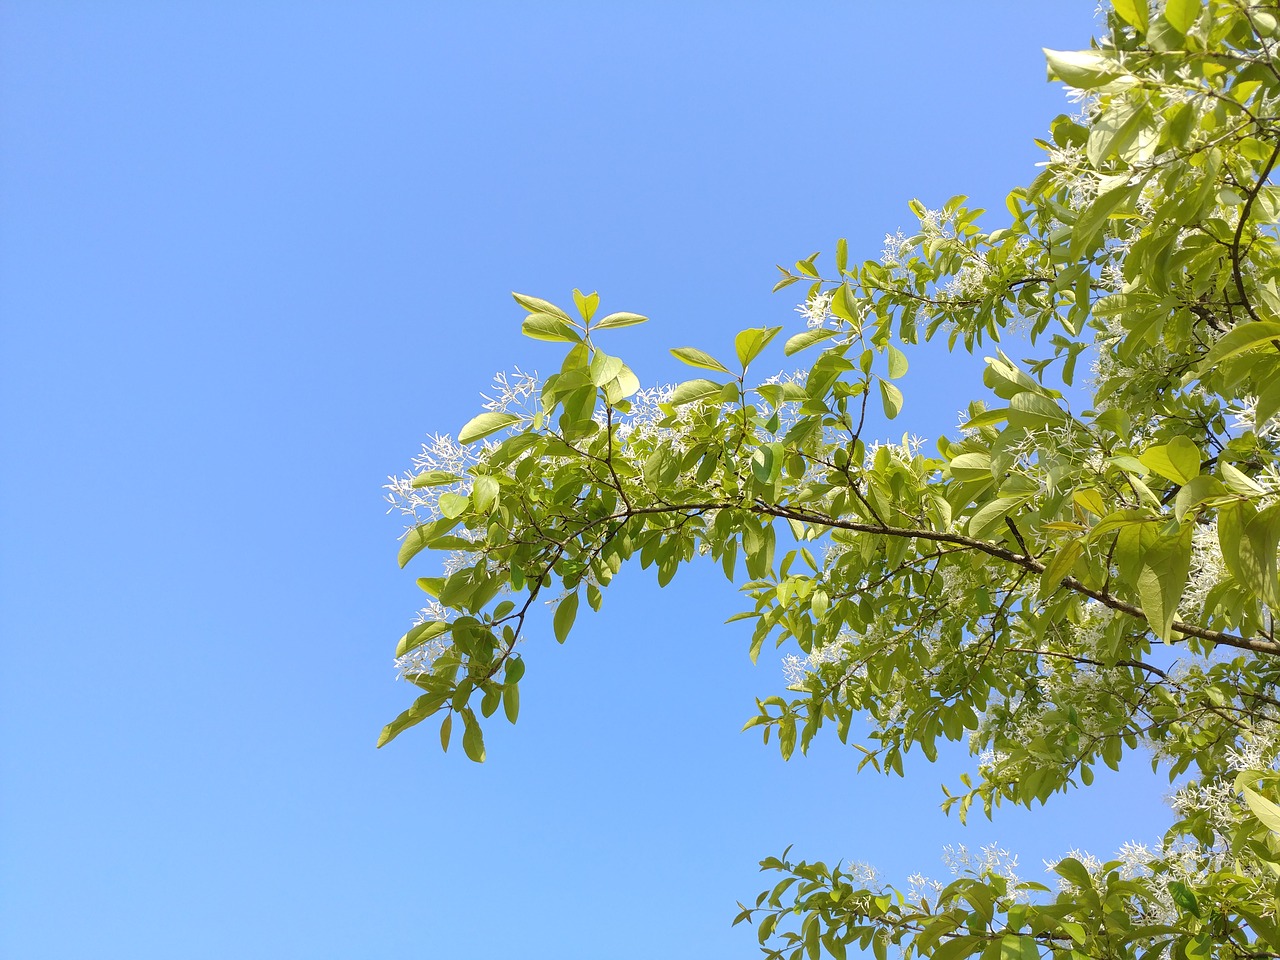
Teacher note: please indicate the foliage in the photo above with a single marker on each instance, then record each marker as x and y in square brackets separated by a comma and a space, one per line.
[1055, 588]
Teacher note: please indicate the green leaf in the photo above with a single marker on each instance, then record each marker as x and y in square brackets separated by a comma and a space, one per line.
[1073, 871]
[891, 398]
[1178, 460]
[1195, 492]
[807, 339]
[1181, 14]
[536, 305]
[971, 466]
[422, 708]
[1237, 340]
[1113, 134]
[586, 304]
[1083, 69]
[1162, 579]
[614, 320]
[749, 343]
[763, 463]
[897, 362]
[696, 358]
[484, 494]
[453, 505]
[603, 368]
[544, 326]
[624, 385]
[420, 634]
[1090, 500]
[434, 478]
[1096, 215]
[422, 536]
[566, 611]
[845, 305]
[1133, 12]
[692, 390]
[1267, 811]
[1251, 558]
[477, 428]
[1238, 482]
[1057, 569]
[446, 728]
[472, 737]
[511, 701]
[991, 516]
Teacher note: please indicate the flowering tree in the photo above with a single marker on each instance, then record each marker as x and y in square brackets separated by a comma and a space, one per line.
[1056, 587]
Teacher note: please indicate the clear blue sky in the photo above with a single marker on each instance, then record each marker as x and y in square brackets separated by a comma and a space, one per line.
[250, 254]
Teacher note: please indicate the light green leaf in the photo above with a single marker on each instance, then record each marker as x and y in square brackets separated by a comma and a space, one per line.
[453, 505]
[614, 320]
[1057, 569]
[1181, 14]
[603, 368]
[566, 611]
[696, 358]
[1083, 69]
[1162, 579]
[1178, 460]
[891, 398]
[472, 736]
[485, 494]
[586, 304]
[1239, 482]
[971, 466]
[1133, 12]
[807, 339]
[544, 326]
[1195, 492]
[692, 390]
[537, 305]
[1097, 213]
[434, 478]
[1090, 500]
[991, 516]
[511, 702]
[897, 362]
[422, 536]
[763, 463]
[749, 343]
[624, 385]
[420, 634]
[477, 428]
[422, 708]
[1237, 340]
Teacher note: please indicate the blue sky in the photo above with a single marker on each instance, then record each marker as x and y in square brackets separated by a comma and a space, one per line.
[250, 254]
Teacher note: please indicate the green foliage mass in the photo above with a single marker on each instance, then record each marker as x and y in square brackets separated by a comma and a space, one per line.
[1054, 588]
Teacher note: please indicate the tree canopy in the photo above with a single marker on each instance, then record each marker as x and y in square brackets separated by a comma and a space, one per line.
[1085, 573]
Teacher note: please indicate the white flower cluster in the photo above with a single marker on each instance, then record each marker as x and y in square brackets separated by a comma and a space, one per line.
[439, 452]
[817, 311]
[420, 659]
[1207, 569]
[516, 390]
[1244, 418]
[1072, 172]
[905, 452]
[796, 669]
[970, 281]
[992, 860]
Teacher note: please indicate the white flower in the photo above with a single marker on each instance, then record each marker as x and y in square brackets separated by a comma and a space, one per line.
[896, 249]
[816, 310]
